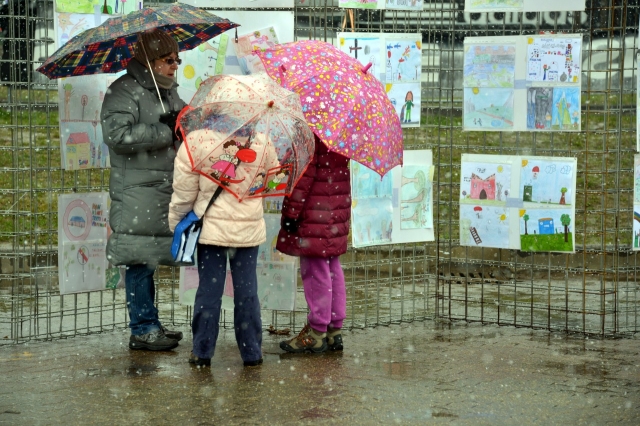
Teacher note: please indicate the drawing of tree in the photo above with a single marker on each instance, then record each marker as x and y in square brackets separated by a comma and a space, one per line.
[84, 100]
[68, 92]
[525, 218]
[563, 190]
[566, 221]
[499, 191]
[94, 123]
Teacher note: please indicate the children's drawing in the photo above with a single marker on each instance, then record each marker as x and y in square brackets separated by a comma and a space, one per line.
[415, 5]
[547, 182]
[257, 40]
[487, 65]
[636, 227]
[539, 108]
[554, 59]
[638, 104]
[484, 226]
[277, 282]
[188, 284]
[636, 178]
[397, 208]
[364, 49]
[565, 114]
[405, 97]
[492, 5]
[485, 183]
[115, 7]
[83, 229]
[267, 251]
[403, 60]
[372, 221]
[488, 108]
[546, 230]
[115, 277]
[415, 198]
[199, 64]
[80, 102]
[365, 183]
[361, 4]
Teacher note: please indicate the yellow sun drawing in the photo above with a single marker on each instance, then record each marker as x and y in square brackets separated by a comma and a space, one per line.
[189, 72]
[524, 163]
[522, 212]
[500, 169]
[475, 90]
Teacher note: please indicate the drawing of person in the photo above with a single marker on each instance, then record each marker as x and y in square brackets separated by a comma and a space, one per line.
[276, 183]
[258, 184]
[225, 164]
[408, 103]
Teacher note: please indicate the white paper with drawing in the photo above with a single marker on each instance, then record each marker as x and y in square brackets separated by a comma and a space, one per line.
[523, 5]
[397, 208]
[83, 230]
[636, 203]
[518, 202]
[396, 61]
[80, 102]
[522, 83]
[199, 64]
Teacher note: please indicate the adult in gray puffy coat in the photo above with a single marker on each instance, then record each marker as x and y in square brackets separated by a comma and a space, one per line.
[142, 147]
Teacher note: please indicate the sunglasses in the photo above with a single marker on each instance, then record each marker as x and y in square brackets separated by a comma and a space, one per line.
[171, 61]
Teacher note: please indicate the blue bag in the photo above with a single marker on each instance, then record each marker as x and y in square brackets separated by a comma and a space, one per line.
[186, 234]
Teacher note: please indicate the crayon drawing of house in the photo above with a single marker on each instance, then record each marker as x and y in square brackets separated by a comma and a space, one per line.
[78, 150]
[483, 189]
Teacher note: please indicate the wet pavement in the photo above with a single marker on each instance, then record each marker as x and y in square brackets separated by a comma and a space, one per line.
[418, 373]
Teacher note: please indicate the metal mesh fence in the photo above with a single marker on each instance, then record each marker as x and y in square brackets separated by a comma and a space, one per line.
[593, 291]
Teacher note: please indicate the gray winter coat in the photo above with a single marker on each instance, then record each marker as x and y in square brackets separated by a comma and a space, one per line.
[141, 152]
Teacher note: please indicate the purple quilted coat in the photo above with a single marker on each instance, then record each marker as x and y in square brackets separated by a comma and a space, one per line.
[321, 205]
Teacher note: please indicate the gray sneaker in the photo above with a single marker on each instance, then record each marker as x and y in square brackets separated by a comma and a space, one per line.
[154, 341]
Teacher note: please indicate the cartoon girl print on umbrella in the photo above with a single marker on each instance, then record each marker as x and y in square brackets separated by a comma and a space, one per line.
[224, 167]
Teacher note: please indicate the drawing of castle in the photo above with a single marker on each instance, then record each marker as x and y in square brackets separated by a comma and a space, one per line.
[78, 150]
[483, 189]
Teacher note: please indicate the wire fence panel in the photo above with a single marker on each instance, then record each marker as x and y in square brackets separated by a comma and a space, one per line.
[593, 291]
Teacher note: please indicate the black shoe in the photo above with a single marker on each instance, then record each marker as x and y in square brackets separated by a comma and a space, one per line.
[154, 341]
[201, 362]
[175, 335]
[335, 342]
[253, 363]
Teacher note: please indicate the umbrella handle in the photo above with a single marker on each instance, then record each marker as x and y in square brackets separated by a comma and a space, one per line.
[366, 67]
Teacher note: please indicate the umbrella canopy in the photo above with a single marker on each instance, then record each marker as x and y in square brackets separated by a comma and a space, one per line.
[344, 105]
[247, 134]
[108, 48]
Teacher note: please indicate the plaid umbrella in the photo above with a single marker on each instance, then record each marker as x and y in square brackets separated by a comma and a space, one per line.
[108, 48]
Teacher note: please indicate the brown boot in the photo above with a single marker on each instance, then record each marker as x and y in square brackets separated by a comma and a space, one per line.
[309, 340]
[334, 339]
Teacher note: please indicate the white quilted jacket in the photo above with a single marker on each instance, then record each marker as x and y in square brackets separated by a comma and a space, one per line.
[228, 222]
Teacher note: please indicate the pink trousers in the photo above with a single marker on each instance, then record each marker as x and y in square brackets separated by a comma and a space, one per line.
[325, 291]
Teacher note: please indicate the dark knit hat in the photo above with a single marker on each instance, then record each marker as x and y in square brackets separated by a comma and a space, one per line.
[156, 44]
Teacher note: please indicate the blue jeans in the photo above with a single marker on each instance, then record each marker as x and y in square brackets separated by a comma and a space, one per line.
[212, 272]
[141, 291]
